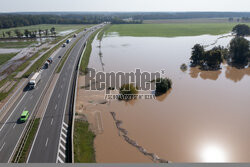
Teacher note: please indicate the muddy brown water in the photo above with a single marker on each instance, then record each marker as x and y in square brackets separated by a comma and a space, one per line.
[204, 118]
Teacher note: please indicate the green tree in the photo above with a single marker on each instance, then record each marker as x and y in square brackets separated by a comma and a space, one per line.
[9, 33]
[40, 33]
[239, 51]
[3, 34]
[18, 33]
[46, 32]
[197, 55]
[241, 30]
[128, 89]
[213, 58]
[26, 33]
[52, 30]
[162, 86]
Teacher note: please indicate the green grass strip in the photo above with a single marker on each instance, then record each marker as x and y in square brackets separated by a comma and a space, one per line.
[87, 52]
[84, 151]
[5, 57]
[28, 144]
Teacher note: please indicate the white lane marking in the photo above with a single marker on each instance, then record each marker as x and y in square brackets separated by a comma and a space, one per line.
[46, 142]
[64, 128]
[65, 124]
[59, 95]
[62, 146]
[71, 76]
[60, 160]
[2, 146]
[63, 139]
[12, 112]
[64, 135]
[14, 126]
[62, 153]
[55, 106]
[51, 121]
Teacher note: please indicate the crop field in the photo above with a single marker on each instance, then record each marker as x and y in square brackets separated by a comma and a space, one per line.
[171, 29]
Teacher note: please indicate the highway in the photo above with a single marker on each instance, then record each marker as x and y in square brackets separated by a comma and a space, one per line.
[11, 130]
[50, 144]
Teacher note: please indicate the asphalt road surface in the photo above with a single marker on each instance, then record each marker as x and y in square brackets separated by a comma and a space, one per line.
[11, 129]
[50, 142]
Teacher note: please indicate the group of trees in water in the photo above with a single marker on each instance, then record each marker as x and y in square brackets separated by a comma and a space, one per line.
[238, 54]
[29, 33]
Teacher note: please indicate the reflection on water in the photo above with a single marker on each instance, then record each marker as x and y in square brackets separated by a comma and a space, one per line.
[213, 153]
[204, 118]
[212, 75]
[235, 74]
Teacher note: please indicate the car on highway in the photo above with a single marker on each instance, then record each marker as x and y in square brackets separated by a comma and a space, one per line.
[64, 45]
[24, 116]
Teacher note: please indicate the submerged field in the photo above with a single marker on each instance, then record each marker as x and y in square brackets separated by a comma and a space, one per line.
[171, 29]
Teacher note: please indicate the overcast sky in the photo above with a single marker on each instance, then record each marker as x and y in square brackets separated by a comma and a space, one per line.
[123, 5]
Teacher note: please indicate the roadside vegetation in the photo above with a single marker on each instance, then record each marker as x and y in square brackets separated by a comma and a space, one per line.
[16, 44]
[27, 146]
[84, 151]
[103, 32]
[48, 29]
[36, 66]
[87, 53]
[171, 29]
[5, 57]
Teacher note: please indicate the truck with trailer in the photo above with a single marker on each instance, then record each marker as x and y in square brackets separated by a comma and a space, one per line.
[34, 80]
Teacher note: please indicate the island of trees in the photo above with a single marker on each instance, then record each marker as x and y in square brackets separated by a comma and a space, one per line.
[237, 55]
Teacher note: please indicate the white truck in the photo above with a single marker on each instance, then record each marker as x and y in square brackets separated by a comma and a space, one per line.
[34, 80]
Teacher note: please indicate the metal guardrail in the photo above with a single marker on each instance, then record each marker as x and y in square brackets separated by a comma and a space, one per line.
[6, 105]
[74, 107]
[32, 121]
[75, 94]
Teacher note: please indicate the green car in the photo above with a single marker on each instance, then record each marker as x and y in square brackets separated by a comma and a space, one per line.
[24, 116]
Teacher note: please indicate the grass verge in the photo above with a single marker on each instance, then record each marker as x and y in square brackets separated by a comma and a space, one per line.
[5, 57]
[103, 31]
[16, 44]
[84, 151]
[87, 52]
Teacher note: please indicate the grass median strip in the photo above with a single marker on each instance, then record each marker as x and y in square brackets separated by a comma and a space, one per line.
[84, 151]
[27, 146]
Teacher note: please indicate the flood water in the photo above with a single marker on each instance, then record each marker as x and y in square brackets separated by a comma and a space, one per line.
[206, 115]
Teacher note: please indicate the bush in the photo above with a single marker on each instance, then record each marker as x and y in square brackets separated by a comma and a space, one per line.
[162, 86]
[128, 89]
[183, 67]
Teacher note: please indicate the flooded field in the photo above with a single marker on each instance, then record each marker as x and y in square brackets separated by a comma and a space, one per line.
[204, 118]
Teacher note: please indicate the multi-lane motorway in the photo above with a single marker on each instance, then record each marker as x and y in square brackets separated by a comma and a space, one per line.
[50, 141]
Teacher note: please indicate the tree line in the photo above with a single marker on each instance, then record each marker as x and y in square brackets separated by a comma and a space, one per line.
[237, 55]
[29, 34]
[18, 20]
